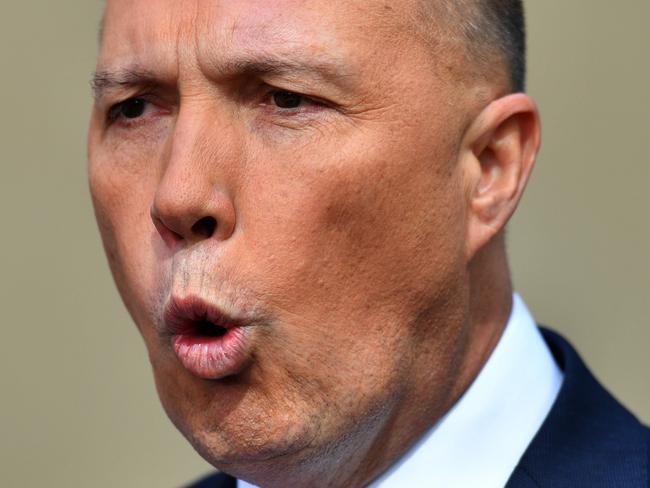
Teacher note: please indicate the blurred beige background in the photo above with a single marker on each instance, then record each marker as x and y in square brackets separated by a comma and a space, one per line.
[78, 401]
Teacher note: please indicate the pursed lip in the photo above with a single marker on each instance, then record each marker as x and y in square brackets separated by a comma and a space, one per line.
[209, 343]
[182, 315]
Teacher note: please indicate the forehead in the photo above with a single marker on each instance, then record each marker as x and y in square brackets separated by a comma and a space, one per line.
[154, 31]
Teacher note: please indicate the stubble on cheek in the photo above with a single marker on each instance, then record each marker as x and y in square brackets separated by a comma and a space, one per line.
[122, 179]
[312, 378]
[292, 415]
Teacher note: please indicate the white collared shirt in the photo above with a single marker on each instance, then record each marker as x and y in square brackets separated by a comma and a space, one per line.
[480, 440]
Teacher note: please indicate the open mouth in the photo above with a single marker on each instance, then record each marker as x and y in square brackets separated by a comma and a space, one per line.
[208, 329]
[198, 328]
[196, 317]
[208, 343]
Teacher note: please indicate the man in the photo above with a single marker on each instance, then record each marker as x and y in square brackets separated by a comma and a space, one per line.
[303, 205]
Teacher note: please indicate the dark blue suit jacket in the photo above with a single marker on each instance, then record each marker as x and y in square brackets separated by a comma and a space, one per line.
[588, 439]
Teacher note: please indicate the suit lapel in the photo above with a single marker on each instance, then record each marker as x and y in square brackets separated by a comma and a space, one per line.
[588, 439]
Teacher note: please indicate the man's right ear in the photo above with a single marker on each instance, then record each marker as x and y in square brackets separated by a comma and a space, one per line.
[497, 156]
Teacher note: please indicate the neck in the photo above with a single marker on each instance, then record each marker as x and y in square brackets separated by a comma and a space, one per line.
[449, 360]
[490, 304]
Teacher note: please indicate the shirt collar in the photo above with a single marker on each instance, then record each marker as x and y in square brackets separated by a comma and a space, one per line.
[481, 439]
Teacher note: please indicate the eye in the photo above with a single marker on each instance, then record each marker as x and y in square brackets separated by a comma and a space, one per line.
[129, 109]
[287, 100]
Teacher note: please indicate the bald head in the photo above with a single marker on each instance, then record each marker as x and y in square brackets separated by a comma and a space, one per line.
[491, 31]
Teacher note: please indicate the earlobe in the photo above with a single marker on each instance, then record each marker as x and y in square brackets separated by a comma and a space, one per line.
[500, 149]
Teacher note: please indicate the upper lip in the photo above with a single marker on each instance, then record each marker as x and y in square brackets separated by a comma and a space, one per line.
[182, 315]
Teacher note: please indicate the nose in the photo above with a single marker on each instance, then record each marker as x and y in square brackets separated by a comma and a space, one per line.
[184, 218]
[191, 203]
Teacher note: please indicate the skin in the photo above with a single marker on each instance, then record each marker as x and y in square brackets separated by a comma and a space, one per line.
[363, 230]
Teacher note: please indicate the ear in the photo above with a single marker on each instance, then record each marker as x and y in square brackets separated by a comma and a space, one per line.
[497, 156]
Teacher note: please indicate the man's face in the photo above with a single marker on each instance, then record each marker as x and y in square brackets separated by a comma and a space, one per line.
[288, 168]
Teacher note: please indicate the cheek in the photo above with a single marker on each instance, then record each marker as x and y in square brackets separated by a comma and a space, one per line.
[274, 408]
[368, 228]
[351, 256]
[121, 210]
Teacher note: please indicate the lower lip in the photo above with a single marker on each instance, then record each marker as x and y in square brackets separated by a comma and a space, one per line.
[213, 358]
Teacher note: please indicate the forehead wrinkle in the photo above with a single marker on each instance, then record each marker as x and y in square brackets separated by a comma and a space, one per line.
[240, 49]
[187, 40]
[261, 63]
[285, 32]
[244, 44]
[144, 48]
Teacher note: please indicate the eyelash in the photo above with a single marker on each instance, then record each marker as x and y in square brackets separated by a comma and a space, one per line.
[307, 104]
[114, 112]
[304, 99]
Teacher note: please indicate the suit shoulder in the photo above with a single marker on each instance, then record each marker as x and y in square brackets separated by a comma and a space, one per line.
[215, 480]
[588, 439]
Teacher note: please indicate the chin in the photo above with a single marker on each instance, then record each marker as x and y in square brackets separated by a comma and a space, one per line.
[236, 428]
[248, 449]
[251, 449]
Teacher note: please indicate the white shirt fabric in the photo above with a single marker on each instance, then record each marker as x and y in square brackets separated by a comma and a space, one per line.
[480, 440]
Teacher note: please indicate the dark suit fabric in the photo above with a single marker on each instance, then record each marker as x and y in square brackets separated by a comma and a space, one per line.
[218, 480]
[588, 439]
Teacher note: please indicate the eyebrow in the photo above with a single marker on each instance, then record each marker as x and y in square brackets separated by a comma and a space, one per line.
[103, 80]
[326, 70]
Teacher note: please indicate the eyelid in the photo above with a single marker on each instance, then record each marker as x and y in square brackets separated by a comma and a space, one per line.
[113, 112]
[151, 102]
[308, 99]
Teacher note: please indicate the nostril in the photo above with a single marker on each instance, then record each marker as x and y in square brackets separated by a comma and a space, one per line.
[168, 235]
[205, 227]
